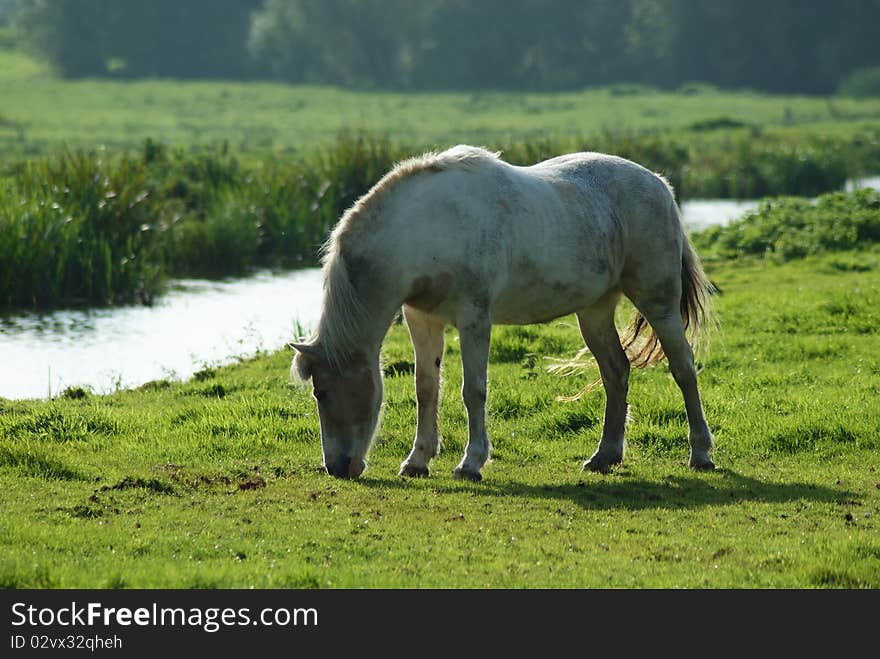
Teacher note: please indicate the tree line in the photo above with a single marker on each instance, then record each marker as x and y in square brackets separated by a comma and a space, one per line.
[769, 45]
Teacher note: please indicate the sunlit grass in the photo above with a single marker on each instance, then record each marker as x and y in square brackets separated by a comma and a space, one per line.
[41, 113]
[217, 483]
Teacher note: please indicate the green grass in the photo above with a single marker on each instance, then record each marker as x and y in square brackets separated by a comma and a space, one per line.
[40, 113]
[216, 482]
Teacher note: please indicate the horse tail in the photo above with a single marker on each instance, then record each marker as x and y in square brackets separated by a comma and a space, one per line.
[696, 313]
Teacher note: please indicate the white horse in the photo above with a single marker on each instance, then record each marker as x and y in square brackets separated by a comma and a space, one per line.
[462, 238]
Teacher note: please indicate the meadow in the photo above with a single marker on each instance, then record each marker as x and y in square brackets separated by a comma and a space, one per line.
[109, 188]
[40, 113]
[217, 482]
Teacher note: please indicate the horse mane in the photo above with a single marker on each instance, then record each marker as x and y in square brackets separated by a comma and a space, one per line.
[461, 156]
[343, 310]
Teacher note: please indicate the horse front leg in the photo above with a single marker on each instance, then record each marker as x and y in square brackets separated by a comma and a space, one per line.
[426, 333]
[475, 329]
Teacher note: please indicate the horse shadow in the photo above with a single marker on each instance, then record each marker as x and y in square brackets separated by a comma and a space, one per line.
[673, 492]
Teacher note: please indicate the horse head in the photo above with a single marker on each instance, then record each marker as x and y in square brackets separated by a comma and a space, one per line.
[349, 398]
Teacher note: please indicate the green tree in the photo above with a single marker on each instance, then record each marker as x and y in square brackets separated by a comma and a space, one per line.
[169, 38]
[349, 42]
[67, 33]
[776, 45]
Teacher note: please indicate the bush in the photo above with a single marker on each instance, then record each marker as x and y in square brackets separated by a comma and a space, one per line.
[788, 228]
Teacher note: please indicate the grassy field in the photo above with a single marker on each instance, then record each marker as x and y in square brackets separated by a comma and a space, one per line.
[40, 113]
[217, 483]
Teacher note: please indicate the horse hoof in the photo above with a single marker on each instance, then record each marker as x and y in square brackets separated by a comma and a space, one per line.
[467, 475]
[701, 463]
[413, 471]
[601, 464]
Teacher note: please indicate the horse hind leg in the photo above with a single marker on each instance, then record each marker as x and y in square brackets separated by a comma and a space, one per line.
[597, 328]
[426, 333]
[666, 322]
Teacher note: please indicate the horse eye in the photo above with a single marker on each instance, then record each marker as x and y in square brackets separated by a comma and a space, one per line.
[319, 395]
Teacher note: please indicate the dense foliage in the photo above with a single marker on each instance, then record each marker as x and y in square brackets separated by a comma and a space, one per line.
[792, 227]
[509, 44]
[75, 231]
[861, 83]
[89, 228]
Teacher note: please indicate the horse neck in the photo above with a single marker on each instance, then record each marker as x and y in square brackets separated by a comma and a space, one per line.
[371, 330]
[355, 318]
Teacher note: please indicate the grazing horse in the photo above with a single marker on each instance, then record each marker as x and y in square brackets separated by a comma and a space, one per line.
[463, 238]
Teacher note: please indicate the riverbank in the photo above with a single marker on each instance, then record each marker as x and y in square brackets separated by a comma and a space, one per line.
[201, 324]
[198, 324]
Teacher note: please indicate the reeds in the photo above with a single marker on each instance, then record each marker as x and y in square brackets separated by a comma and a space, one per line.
[77, 230]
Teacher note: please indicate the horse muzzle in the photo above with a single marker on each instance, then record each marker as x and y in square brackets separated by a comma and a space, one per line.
[345, 467]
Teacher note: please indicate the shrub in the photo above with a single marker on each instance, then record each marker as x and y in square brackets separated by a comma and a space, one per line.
[788, 228]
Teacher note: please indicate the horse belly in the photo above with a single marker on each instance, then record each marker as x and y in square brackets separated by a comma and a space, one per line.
[540, 301]
[561, 263]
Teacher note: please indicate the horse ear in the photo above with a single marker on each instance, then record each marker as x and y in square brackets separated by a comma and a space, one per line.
[301, 368]
[304, 348]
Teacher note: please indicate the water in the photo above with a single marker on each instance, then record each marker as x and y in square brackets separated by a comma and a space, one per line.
[197, 324]
[868, 182]
[701, 213]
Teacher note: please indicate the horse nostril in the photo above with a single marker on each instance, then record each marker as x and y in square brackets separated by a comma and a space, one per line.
[345, 467]
[356, 468]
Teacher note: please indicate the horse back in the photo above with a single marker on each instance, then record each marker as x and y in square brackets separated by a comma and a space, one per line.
[532, 243]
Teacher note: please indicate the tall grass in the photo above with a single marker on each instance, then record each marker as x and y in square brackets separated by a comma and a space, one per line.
[88, 228]
[738, 163]
[77, 229]
[231, 218]
[85, 228]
